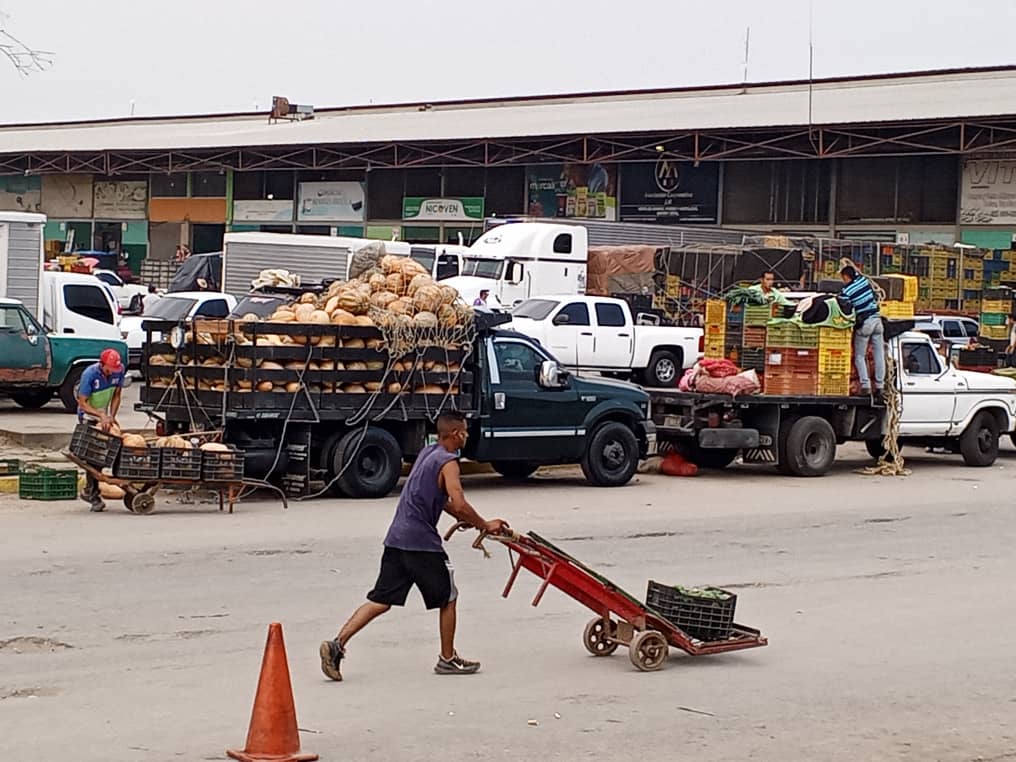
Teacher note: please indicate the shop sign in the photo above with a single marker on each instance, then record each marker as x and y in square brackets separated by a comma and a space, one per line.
[988, 196]
[330, 202]
[582, 191]
[126, 200]
[422, 209]
[670, 191]
[263, 210]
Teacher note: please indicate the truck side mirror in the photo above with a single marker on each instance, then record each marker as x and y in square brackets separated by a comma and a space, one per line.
[515, 272]
[552, 376]
[561, 318]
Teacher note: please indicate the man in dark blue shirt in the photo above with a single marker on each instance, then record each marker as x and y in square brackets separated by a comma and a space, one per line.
[868, 328]
[414, 554]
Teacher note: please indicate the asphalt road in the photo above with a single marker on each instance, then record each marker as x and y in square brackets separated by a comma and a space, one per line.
[888, 605]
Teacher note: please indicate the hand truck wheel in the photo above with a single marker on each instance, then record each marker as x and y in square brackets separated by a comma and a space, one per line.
[648, 650]
[143, 503]
[129, 493]
[598, 636]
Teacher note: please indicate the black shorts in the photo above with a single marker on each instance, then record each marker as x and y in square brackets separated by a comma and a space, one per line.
[430, 571]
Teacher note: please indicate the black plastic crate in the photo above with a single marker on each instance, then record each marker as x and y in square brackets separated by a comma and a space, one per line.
[702, 617]
[140, 463]
[753, 359]
[977, 357]
[181, 463]
[41, 483]
[95, 447]
[222, 466]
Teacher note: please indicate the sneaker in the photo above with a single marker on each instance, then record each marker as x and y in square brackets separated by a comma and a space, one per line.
[98, 507]
[456, 666]
[331, 657]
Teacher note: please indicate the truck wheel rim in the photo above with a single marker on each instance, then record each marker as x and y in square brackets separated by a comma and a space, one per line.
[984, 438]
[613, 455]
[665, 371]
[816, 448]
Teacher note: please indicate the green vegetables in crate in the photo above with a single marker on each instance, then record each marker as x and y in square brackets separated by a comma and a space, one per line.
[706, 593]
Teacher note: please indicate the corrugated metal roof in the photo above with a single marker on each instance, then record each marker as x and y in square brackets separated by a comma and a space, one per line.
[892, 98]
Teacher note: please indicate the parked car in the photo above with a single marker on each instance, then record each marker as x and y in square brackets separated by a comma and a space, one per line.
[599, 334]
[182, 306]
[128, 295]
[957, 330]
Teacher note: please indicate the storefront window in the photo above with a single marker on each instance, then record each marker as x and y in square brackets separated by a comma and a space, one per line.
[463, 181]
[791, 191]
[898, 189]
[505, 191]
[385, 188]
[421, 234]
[423, 182]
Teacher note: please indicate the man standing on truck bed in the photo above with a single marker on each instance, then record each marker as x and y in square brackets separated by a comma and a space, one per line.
[413, 553]
[99, 392]
[868, 328]
[766, 289]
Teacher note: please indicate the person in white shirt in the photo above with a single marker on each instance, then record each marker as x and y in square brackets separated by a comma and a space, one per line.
[150, 300]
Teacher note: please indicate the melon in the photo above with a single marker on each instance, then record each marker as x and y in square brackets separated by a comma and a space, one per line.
[214, 447]
[354, 389]
[293, 386]
[394, 388]
[110, 491]
[264, 386]
[377, 282]
[383, 298]
[417, 282]
[427, 299]
[395, 283]
[429, 389]
[353, 344]
[426, 320]
[364, 321]
[134, 440]
[360, 366]
[320, 316]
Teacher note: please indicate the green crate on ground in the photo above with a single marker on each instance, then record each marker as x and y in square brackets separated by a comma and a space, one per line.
[42, 483]
[9, 466]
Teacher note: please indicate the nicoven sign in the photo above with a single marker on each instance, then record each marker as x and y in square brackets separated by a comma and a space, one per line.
[669, 192]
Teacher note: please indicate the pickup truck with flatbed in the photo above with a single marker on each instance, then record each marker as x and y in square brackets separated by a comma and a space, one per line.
[961, 411]
[36, 365]
[594, 333]
[324, 408]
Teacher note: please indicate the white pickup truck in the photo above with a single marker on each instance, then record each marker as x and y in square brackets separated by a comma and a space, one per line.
[960, 411]
[598, 333]
[183, 305]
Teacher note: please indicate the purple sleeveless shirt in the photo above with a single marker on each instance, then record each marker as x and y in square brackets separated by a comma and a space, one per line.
[421, 504]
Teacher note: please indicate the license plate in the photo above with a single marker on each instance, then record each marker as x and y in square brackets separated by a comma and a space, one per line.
[671, 422]
[650, 444]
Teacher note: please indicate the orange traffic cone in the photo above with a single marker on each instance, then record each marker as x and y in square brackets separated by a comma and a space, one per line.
[273, 733]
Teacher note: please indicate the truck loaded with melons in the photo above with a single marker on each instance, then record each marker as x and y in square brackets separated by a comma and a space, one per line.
[331, 388]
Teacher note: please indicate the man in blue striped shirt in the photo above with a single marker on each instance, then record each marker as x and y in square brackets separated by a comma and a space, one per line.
[868, 328]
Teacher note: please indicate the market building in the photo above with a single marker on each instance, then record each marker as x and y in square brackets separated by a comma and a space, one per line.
[920, 157]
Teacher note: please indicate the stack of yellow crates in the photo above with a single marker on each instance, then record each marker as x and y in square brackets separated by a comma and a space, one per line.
[835, 356]
[716, 328]
[902, 308]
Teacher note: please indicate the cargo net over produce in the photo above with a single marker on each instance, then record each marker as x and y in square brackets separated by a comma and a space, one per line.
[360, 345]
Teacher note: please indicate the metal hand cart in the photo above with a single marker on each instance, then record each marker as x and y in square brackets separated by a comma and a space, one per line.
[621, 619]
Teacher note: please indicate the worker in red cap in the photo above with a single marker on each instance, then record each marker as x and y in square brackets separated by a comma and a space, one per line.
[99, 393]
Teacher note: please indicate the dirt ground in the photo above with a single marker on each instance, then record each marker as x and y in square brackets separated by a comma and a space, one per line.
[886, 602]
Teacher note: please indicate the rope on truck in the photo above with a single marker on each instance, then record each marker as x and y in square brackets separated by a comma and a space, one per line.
[890, 463]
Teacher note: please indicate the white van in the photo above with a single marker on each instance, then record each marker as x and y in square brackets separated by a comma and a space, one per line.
[79, 304]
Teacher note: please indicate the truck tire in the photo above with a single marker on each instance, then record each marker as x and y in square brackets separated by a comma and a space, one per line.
[368, 463]
[664, 369]
[33, 399]
[516, 470]
[979, 441]
[611, 456]
[69, 389]
[810, 447]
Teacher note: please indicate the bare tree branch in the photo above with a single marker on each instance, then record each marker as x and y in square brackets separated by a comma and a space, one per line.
[24, 58]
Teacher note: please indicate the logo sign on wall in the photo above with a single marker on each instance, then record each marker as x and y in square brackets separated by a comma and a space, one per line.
[573, 190]
[263, 211]
[330, 202]
[989, 192]
[421, 209]
[670, 192]
[126, 200]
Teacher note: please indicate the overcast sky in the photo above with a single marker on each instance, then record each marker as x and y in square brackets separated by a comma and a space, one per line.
[199, 56]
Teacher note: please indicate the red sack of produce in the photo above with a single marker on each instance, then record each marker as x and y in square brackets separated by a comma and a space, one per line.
[674, 465]
[718, 368]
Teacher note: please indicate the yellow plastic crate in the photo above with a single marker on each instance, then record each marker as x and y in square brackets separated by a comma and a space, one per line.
[835, 338]
[715, 350]
[716, 312]
[910, 284]
[834, 384]
[996, 305]
[995, 332]
[835, 361]
[897, 309]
